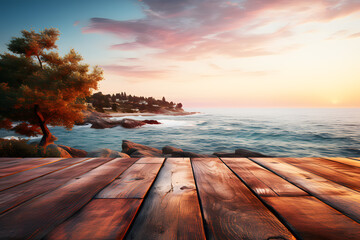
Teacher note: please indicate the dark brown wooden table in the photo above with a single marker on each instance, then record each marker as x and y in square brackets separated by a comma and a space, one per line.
[180, 198]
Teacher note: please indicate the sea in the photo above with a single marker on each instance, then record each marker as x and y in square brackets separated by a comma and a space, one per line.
[278, 132]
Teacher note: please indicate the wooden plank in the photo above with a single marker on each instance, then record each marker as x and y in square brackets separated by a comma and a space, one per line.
[133, 183]
[23, 177]
[37, 217]
[230, 210]
[12, 197]
[100, 219]
[312, 219]
[260, 180]
[339, 197]
[334, 171]
[348, 161]
[171, 210]
[150, 160]
[7, 159]
[6, 162]
[23, 164]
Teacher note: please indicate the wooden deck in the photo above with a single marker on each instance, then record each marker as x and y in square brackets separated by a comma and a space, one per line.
[180, 198]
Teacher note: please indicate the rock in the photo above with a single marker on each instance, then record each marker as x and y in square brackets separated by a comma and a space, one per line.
[131, 123]
[151, 122]
[104, 123]
[107, 153]
[248, 153]
[145, 153]
[130, 147]
[190, 154]
[62, 152]
[92, 116]
[78, 153]
[101, 121]
[170, 149]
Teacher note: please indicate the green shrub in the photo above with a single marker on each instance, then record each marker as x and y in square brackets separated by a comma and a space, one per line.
[21, 148]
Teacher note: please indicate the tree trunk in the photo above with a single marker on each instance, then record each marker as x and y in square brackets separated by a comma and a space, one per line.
[47, 138]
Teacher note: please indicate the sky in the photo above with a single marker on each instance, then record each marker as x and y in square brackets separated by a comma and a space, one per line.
[209, 53]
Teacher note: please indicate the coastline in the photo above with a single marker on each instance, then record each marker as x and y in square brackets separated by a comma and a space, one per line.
[145, 114]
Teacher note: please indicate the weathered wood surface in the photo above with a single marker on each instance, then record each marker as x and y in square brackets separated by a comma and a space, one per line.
[313, 219]
[348, 161]
[339, 197]
[23, 192]
[334, 171]
[22, 177]
[150, 160]
[153, 198]
[171, 209]
[230, 209]
[100, 219]
[261, 180]
[39, 216]
[133, 183]
[12, 166]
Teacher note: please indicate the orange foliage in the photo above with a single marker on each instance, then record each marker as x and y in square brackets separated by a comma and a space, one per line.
[35, 76]
[27, 129]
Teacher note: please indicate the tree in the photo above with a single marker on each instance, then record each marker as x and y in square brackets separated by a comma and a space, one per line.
[39, 87]
[179, 105]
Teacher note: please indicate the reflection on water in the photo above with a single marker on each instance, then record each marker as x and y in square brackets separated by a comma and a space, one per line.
[277, 132]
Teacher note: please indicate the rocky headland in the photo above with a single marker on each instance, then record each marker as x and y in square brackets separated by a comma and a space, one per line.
[102, 120]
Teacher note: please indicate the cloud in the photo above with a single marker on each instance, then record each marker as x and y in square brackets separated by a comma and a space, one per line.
[76, 23]
[135, 72]
[192, 29]
[355, 35]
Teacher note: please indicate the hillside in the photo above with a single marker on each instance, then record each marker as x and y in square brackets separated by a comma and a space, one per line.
[123, 103]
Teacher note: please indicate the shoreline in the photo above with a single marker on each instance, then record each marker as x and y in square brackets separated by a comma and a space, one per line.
[146, 114]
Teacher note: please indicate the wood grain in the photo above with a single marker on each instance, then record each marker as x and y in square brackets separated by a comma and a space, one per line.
[313, 219]
[334, 171]
[339, 197]
[8, 160]
[230, 210]
[22, 164]
[23, 177]
[37, 217]
[348, 161]
[260, 180]
[100, 219]
[23, 192]
[171, 209]
[133, 183]
[150, 160]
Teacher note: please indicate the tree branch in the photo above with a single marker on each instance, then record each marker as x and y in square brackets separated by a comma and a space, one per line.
[39, 61]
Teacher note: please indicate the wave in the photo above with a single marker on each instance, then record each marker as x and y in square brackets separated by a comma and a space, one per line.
[19, 138]
[83, 126]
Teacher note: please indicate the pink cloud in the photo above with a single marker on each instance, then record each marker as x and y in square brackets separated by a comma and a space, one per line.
[191, 29]
[137, 72]
[355, 35]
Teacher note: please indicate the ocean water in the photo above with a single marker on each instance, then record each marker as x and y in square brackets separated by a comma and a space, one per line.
[276, 132]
